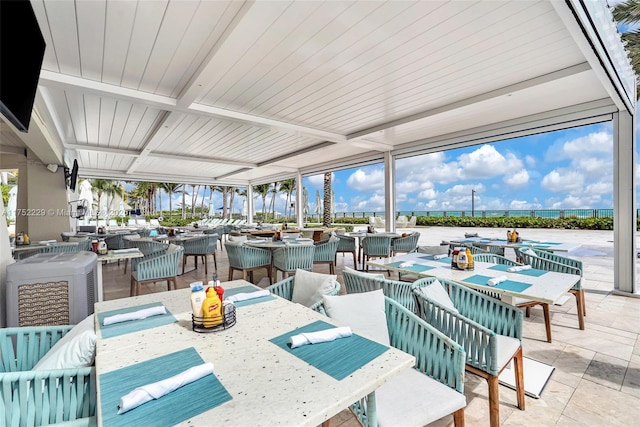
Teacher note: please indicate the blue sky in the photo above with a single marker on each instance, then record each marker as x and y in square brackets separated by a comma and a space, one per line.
[566, 169]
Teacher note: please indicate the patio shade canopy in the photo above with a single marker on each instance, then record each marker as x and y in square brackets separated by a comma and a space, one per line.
[230, 93]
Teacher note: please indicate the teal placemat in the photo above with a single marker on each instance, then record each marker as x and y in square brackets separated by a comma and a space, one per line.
[507, 285]
[130, 326]
[416, 268]
[339, 358]
[249, 301]
[531, 272]
[535, 245]
[445, 260]
[173, 408]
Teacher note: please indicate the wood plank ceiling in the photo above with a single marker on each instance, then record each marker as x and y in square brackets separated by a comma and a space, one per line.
[230, 92]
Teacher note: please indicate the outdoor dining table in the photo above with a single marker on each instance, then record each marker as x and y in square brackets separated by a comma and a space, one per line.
[503, 243]
[536, 285]
[112, 256]
[258, 379]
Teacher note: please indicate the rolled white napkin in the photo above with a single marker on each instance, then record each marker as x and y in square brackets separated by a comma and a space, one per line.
[146, 393]
[243, 296]
[320, 336]
[135, 315]
[440, 256]
[47, 242]
[407, 264]
[495, 280]
[516, 268]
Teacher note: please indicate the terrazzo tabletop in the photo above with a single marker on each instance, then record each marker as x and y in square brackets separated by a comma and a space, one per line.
[268, 385]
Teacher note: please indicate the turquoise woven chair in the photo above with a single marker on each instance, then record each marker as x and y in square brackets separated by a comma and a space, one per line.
[156, 269]
[220, 231]
[347, 244]
[84, 243]
[429, 392]
[114, 241]
[489, 330]
[543, 260]
[325, 253]
[60, 248]
[357, 282]
[200, 247]
[374, 246]
[284, 289]
[149, 249]
[247, 259]
[405, 244]
[292, 257]
[35, 398]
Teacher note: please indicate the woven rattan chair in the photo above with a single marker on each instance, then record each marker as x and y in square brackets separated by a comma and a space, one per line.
[292, 257]
[543, 260]
[347, 244]
[157, 268]
[42, 397]
[374, 246]
[60, 248]
[200, 247]
[325, 253]
[489, 330]
[284, 289]
[431, 390]
[247, 259]
[357, 282]
[405, 244]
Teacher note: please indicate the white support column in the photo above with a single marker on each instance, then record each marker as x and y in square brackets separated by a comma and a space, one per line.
[249, 203]
[389, 192]
[299, 194]
[624, 203]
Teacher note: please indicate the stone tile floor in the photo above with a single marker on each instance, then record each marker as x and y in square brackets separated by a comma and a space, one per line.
[597, 377]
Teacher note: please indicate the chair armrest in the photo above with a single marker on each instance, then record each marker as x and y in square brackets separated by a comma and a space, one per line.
[436, 355]
[31, 344]
[491, 313]
[283, 288]
[49, 396]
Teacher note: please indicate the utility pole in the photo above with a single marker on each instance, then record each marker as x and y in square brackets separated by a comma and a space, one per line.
[473, 196]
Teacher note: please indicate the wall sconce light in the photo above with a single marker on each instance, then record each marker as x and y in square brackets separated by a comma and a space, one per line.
[52, 168]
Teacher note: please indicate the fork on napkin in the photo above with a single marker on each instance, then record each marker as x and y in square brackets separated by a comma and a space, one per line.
[149, 392]
[320, 336]
[495, 280]
[243, 296]
[135, 315]
[517, 268]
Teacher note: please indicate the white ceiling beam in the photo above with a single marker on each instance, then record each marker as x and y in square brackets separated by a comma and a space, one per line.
[546, 78]
[154, 177]
[202, 159]
[99, 149]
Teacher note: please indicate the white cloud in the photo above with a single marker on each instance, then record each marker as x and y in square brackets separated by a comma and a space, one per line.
[487, 162]
[370, 180]
[530, 161]
[374, 203]
[563, 181]
[518, 179]
[318, 180]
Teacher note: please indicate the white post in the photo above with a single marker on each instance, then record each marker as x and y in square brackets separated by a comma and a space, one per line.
[389, 192]
[249, 203]
[299, 207]
[624, 203]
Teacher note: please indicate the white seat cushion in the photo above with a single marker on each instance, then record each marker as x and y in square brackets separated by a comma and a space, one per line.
[74, 350]
[436, 292]
[364, 312]
[507, 347]
[414, 399]
[309, 287]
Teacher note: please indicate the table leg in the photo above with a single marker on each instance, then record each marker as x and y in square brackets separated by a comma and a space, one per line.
[100, 291]
[372, 415]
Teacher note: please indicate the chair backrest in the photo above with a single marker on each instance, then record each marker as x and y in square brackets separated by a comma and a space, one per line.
[200, 245]
[292, 257]
[114, 241]
[358, 282]
[284, 289]
[494, 258]
[406, 244]
[548, 261]
[346, 243]
[161, 266]
[374, 245]
[84, 243]
[60, 248]
[242, 257]
[326, 251]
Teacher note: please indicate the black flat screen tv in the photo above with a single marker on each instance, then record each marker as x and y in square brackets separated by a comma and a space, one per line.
[21, 53]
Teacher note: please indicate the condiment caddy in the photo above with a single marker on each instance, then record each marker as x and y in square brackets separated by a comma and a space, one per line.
[210, 314]
[462, 259]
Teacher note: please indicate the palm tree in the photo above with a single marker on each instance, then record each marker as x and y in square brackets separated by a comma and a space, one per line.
[105, 187]
[171, 188]
[288, 186]
[274, 192]
[326, 217]
[263, 191]
[627, 13]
